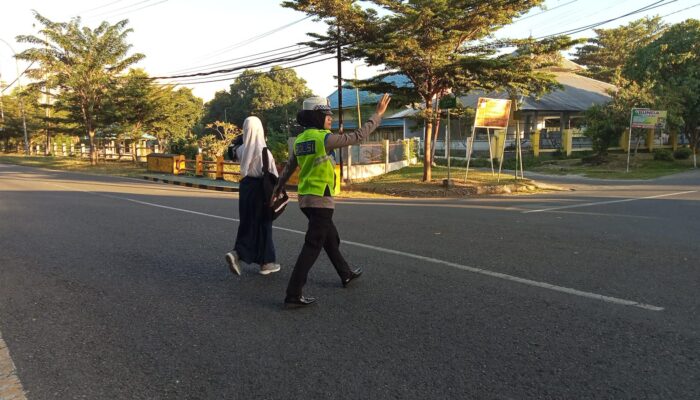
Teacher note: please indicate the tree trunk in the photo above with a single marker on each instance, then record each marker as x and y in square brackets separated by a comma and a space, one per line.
[427, 159]
[93, 150]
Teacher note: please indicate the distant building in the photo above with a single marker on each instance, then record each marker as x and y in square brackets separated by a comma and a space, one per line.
[560, 109]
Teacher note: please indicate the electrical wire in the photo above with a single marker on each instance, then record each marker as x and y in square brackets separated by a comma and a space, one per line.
[251, 39]
[543, 11]
[234, 61]
[238, 71]
[137, 9]
[651, 6]
[681, 10]
[251, 75]
[99, 7]
[259, 64]
[17, 78]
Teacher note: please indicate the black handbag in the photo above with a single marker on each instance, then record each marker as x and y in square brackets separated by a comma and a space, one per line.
[274, 206]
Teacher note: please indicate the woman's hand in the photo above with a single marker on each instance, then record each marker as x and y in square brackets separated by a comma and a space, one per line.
[383, 103]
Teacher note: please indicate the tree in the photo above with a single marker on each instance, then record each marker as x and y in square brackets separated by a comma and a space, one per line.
[129, 107]
[670, 67]
[438, 44]
[82, 63]
[605, 123]
[11, 125]
[178, 112]
[606, 54]
[273, 96]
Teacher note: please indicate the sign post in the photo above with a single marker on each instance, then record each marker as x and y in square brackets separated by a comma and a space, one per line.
[647, 119]
[490, 113]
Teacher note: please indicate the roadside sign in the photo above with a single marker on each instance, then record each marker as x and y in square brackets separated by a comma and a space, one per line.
[492, 113]
[648, 119]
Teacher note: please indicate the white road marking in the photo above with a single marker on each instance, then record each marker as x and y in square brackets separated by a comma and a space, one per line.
[10, 386]
[607, 202]
[481, 271]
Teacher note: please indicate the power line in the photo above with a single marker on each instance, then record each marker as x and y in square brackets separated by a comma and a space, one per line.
[681, 10]
[98, 7]
[17, 78]
[651, 6]
[120, 9]
[274, 63]
[544, 11]
[251, 75]
[259, 64]
[252, 39]
[233, 61]
[137, 9]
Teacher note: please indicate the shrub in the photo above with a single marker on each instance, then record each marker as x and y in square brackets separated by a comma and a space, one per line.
[682, 153]
[663, 155]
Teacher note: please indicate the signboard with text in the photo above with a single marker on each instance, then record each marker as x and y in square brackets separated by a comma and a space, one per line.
[648, 119]
[492, 113]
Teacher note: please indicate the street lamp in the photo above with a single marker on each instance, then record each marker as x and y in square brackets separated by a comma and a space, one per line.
[21, 102]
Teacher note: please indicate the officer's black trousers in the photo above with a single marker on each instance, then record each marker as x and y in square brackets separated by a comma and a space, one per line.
[320, 234]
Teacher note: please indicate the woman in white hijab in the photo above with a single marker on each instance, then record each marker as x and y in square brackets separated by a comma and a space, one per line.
[254, 240]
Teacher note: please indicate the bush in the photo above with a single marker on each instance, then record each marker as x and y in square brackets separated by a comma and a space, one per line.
[663, 155]
[683, 153]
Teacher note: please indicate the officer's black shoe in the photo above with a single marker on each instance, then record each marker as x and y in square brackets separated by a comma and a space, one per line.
[353, 275]
[299, 301]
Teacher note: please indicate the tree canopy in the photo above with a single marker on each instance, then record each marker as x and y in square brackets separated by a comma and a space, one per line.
[275, 96]
[670, 67]
[605, 55]
[81, 63]
[440, 45]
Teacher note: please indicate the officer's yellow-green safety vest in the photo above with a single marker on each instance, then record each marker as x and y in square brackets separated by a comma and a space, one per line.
[316, 167]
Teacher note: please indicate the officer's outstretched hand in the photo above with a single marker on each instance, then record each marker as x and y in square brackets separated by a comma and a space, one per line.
[383, 103]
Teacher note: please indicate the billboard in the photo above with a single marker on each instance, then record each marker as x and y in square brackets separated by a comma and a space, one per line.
[648, 119]
[492, 113]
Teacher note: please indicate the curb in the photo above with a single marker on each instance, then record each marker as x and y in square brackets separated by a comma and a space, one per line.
[193, 185]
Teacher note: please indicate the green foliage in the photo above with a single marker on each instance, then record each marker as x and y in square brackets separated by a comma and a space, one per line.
[663, 155]
[15, 104]
[682, 153]
[81, 63]
[178, 112]
[438, 45]
[214, 145]
[274, 96]
[670, 67]
[187, 145]
[606, 123]
[606, 54]
[277, 143]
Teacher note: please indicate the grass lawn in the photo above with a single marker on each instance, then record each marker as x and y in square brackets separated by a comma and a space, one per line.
[408, 182]
[642, 166]
[121, 168]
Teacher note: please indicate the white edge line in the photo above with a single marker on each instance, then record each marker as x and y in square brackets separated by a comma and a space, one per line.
[607, 202]
[481, 271]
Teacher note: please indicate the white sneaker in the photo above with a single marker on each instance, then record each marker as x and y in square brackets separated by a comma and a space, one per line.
[233, 264]
[269, 268]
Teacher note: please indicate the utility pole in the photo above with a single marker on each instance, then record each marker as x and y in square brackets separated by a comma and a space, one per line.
[340, 101]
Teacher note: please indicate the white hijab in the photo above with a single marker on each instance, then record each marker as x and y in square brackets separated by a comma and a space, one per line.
[250, 153]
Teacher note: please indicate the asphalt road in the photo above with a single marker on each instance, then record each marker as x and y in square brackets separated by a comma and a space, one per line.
[115, 288]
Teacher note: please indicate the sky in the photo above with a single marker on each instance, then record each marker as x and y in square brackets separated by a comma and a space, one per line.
[194, 36]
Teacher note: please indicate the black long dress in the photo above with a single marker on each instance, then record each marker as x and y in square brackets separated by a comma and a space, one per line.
[254, 240]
